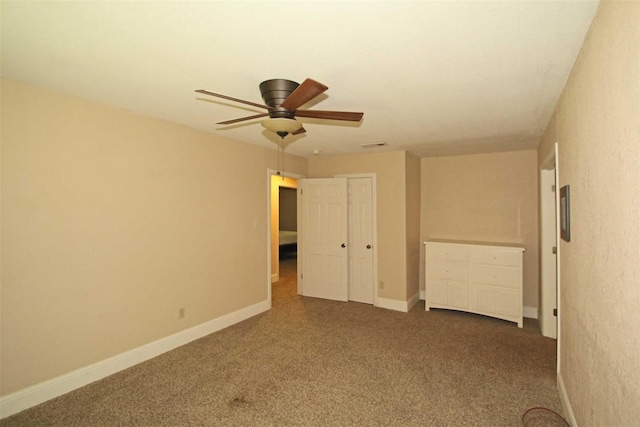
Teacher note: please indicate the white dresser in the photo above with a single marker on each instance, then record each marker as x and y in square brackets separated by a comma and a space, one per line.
[483, 278]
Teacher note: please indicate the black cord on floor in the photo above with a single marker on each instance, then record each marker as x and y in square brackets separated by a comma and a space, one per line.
[541, 408]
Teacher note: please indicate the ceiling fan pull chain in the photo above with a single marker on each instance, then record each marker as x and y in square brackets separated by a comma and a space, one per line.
[279, 173]
[280, 158]
[282, 155]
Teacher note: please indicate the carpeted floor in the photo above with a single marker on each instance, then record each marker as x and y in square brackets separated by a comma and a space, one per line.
[311, 362]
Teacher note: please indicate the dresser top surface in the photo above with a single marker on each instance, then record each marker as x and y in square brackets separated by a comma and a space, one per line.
[477, 243]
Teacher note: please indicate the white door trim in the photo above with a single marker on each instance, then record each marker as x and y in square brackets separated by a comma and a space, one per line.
[548, 261]
[558, 282]
[374, 224]
[552, 158]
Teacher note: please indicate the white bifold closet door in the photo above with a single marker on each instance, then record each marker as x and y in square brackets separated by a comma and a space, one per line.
[324, 238]
[360, 243]
[336, 243]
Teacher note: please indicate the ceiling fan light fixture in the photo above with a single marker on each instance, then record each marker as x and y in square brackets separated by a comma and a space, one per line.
[281, 125]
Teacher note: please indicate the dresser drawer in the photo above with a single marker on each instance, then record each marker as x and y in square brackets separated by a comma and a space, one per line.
[447, 252]
[492, 300]
[509, 277]
[436, 291]
[447, 293]
[496, 256]
[439, 269]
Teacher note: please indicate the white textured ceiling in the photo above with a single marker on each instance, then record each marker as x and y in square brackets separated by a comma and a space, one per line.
[432, 77]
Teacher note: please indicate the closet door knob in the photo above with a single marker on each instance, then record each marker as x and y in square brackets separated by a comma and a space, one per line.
[343, 245]
[368, 246]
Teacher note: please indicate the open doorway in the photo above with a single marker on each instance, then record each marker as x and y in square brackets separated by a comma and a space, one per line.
[288, 224]
[287, 283]
[284, 234]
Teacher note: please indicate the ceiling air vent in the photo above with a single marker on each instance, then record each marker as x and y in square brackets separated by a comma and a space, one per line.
[373, 145]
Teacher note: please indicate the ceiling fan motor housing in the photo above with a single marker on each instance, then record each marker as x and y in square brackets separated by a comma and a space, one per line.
[274, 92]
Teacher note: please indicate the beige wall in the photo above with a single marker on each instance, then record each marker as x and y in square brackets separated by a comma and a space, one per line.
[391, 210]
[598, 133]
[111, 222]
[546, 148]
[484, 197]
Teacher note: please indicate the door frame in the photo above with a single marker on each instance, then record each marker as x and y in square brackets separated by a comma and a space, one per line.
[374, 225]
[558, 283]
[548, 260]
[552, 160]
[271, 172]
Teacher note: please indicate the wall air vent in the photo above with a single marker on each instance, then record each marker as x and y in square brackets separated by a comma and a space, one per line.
[373, 145]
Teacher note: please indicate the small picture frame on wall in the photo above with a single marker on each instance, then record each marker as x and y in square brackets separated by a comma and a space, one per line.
[565, 214]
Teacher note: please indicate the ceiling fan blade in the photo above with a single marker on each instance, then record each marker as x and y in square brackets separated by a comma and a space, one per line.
[331, 115]
[242, 101]
[242, 119]
[299, 131]
[304, 93]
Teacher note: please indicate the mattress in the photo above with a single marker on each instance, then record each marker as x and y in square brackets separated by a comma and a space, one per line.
[288, 237]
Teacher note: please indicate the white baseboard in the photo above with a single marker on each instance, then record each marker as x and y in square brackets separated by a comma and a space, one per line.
[413, 301]
[530, 312]
[393, 304]
[26, 398]
[566, 404]
[423, 295]
[275, 277]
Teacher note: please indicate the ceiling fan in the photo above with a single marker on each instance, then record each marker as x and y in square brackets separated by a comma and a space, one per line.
[282, 98]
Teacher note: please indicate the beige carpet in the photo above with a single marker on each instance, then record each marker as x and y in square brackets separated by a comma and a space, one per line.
[311, 362]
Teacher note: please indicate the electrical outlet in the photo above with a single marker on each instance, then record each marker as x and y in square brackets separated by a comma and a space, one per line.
[381, 284]
[181, 313]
